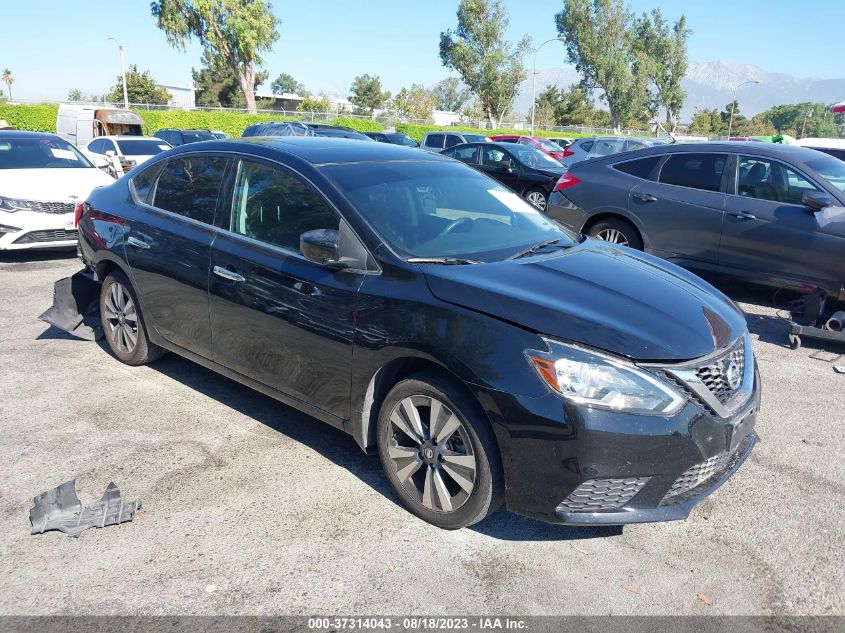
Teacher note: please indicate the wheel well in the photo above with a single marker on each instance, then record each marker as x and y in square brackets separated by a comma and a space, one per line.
[103, 268]
[609, 216]
[364, 429]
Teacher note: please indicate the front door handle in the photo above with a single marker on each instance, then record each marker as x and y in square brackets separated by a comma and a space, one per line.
[134, 241]
[742, 215]
[644, 197]
[228, 274]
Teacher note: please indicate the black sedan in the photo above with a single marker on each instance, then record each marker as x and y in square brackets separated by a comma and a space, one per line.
[522, 168]
[488, 355]
[767, 213]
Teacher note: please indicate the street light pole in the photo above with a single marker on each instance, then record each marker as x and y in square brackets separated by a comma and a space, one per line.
[122, 73]
[534, 78]
[733, 102]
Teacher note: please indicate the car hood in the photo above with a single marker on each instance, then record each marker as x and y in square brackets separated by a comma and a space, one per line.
[597, 294]
[51, 185]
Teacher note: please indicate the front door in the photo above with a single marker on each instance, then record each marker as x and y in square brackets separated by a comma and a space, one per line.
[277, 317]
[769, 234]
[499, 164]
[683, 209]
[168, 248]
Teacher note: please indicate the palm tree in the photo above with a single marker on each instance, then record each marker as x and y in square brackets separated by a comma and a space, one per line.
[8, 80]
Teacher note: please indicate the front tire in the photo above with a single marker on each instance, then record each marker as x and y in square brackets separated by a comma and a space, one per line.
[439, 452]
[123, 323]
[617, 231]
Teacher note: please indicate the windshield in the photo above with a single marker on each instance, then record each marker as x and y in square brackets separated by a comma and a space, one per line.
[193, 137]
[474, 138]
[831, 169]
[550, 146]
[447, 209]
[40, 153]
[141, 147]
[533, 157]
[401, 139]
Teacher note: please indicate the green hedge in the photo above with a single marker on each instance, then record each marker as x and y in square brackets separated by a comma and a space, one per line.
[417, 131]
[42, 118]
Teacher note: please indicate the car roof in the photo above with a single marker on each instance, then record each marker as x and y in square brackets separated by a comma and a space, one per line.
[25, 134]
[182, 129]
[123, 137]
[774, 150]
[317, 150]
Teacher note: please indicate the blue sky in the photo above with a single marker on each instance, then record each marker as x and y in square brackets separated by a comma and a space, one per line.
[52, 46]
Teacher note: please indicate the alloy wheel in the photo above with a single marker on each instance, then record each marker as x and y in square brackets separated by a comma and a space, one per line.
[431, 453]
[537, 199]
[614, 236]
[121, 318]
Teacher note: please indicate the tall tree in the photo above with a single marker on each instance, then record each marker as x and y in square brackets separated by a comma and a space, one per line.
[600, 43]
[663, 49]
[732, 121]
[415, 102]
[75, 94]
[217, 85]
[234, 31]
[286, 83]
[311, 103]
[366, 93]
[140, 86]
[449, 95]
[8, 80]
[490, 66]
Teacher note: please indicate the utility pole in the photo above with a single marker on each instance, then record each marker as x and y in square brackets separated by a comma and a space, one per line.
[122, 72]
[534, 78]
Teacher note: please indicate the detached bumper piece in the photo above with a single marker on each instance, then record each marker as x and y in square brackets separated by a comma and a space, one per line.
[74, 308]
[60, 509]
[606, 501]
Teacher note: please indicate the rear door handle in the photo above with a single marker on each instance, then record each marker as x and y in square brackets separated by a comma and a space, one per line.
[228, 274]
[742, 215]
[134, 241]
[644, 197]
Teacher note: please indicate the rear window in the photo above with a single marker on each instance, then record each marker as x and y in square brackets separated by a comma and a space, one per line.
[434, 140]
[696, 171]
[190, 186]
[641, 168]
[587, 145]
[141, 147]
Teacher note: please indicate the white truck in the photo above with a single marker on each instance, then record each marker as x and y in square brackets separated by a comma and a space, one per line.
[78, 124]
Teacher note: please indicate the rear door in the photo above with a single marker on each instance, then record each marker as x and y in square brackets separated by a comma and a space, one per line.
[683, 211]
[277, 317]
[768, 234]
[168, 248]
[434, 142]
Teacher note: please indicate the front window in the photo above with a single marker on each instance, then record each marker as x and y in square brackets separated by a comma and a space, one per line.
[831, 169]
[443, 210]
[766, 179]
[40, 153]
[549, 146]
[141, 147]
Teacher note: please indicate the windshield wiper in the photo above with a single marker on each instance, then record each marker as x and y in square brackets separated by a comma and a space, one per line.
[533, 249]
[447, 261]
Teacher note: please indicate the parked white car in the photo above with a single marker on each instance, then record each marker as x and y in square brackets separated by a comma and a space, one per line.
[42, 178]
[129, 150]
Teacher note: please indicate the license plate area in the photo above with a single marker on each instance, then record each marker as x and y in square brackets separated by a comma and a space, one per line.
[739, 427]
[69, 225]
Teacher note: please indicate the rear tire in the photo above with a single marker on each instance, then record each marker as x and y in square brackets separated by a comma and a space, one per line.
[439, 452]
[123, 323]
[617, 231]
[537, 198]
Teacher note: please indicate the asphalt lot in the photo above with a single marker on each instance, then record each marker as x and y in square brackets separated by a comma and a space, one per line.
[250, 507]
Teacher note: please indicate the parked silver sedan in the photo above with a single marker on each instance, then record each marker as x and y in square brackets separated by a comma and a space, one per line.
[593, 147]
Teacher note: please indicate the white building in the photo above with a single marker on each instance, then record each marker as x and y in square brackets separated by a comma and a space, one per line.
[180, 96]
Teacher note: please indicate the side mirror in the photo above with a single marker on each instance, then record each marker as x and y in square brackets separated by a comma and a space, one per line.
[816, 200]
[321, 246]
[110, 153]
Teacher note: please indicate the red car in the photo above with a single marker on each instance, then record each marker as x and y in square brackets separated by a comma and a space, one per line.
[543, 144]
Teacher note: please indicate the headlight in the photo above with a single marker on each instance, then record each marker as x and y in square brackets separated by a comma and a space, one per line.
[603, 382]
[10, 205]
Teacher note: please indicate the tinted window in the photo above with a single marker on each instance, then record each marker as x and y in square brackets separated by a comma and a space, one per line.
[108, 145]
[641, 168]
[452, 140]
[632, 145]
[434, 140]
[400, 139]
[697, 171]
[190, 186]
[766, 179]
[194, 137]
[606, 147]
[142, 183]
[466, 154]
[506, 140]
[587, 145]
[141, 147]
[474, 138]
[276, 207]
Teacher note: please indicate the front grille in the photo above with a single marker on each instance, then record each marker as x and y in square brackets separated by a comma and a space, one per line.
[715, 375]
[598, 495]
[58, 235]
[51, 207]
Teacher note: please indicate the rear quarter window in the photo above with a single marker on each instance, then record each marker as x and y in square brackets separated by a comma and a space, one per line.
[641, 168]
[142, 183]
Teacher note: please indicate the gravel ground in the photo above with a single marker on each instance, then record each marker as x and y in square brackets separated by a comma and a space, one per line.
[250, 507]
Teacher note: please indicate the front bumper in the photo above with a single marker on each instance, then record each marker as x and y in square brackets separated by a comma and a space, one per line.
[36, 230]
[580, 466]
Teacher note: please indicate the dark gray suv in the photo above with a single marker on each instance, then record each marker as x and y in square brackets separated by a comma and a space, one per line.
[767, 213]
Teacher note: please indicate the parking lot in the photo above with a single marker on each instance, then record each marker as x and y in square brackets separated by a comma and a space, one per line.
[252, 507]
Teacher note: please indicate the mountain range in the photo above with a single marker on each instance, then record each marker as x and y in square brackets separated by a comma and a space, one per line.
[710, 84]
